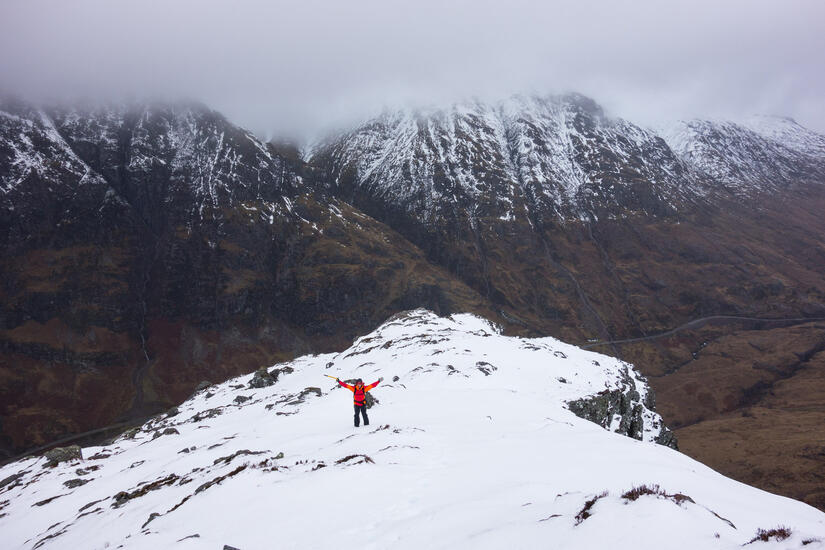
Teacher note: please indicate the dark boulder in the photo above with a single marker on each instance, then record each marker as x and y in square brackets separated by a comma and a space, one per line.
[275, 373]
[301, 397]
[261, 379]
[11, 478]
[77, 482]
[62, 454]
[167, 431]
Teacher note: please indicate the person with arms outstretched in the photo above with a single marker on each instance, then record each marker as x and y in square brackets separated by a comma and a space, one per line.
[359, 395]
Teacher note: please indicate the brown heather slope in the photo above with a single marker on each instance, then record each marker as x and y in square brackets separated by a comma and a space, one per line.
[758, 419]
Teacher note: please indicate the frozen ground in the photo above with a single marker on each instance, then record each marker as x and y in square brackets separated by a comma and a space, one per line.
[472, 446]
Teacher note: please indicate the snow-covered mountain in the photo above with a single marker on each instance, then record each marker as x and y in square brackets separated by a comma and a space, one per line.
[31, 146]
[526, 157]
[179, 154]
[472, 444]
[789, 132]
[560, 157]
[160, 164]
[757, 155]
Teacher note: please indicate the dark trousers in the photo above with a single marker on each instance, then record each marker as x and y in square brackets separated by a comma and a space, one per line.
[363, 410]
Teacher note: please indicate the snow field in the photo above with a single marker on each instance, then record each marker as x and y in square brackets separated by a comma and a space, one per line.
[457, 459]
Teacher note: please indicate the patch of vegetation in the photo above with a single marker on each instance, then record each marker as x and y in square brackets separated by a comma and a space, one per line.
[218, 479]
[228, 459]
[636, 492]
[359, 459]
[584, 513]
[46, 501]
[123, 497]
[778, 533]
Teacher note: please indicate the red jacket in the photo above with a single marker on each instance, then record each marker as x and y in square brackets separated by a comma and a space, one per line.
[359, 394]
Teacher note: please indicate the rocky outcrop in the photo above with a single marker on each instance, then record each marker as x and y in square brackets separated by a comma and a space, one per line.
[303, 394]
[261, 379]
[74, 483]
[623, 411]
[166, 431]
[10, 479]
[667, 438]
[62, 454]
[277, 372]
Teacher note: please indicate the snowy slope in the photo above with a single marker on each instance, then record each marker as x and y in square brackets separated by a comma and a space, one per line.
[426, 160]
[789, 132]
[471, 447]
[32, 150]
[561, 157]
[567, 151]
[176, 151]
[759, 154]
[553, 156]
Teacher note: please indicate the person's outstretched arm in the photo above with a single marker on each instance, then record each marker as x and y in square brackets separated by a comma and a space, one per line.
[350, 388]
[368, 388]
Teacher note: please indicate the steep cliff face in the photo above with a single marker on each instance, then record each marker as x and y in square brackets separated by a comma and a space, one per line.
[541, 158]
[506, 196]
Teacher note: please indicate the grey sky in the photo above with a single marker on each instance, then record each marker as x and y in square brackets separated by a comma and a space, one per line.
[298, 68]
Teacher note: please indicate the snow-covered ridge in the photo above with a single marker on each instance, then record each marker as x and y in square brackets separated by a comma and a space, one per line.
[788, 132]
[197, 148]
[524, 158]
[563, 157]
[181, 154]
[560, 155]
[760, 153]
[471, 444]
[32, 149]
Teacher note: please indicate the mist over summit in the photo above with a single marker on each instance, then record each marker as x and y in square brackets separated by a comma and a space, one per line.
[296, 71]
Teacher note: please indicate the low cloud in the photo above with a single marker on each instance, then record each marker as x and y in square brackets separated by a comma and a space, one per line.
[295, 69]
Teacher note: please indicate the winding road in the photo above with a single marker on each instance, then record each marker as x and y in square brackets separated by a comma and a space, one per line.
[695, 323]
